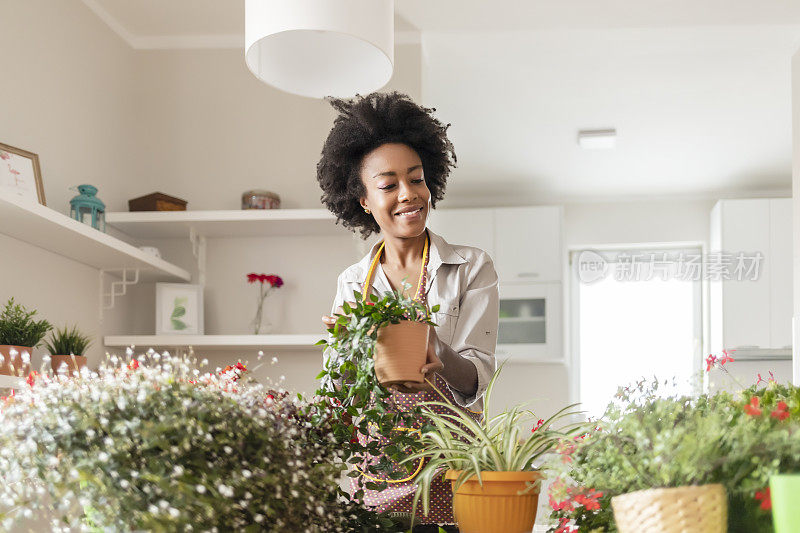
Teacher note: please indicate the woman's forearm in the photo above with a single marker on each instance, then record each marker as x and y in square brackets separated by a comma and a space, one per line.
[459, 372]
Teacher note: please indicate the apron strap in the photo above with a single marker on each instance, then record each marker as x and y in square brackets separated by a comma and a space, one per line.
[367, 288]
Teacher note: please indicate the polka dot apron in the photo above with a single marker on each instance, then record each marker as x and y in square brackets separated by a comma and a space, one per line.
[399, 495]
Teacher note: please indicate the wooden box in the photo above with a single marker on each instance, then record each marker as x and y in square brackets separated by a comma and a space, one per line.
[156, 201]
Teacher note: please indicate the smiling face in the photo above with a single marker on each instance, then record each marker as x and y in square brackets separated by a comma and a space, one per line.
[396, 192]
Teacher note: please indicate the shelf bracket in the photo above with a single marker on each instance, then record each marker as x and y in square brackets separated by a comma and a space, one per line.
[199, 253]
[117, 288]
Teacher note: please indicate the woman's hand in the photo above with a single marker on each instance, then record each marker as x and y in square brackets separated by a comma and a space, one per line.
[329, 321]
[432, 365]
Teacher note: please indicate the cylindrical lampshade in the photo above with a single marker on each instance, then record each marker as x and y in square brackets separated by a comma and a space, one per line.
[320, 48]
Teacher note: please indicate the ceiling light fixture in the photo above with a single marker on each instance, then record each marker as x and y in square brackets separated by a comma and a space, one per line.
[597, 139]
[320, 48]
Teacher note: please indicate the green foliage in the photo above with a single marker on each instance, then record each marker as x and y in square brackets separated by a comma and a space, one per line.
[453, 440]
[646, 441]
[354, 400]
[159, 446]
[178, 311]
[68, 342]
[18, 327]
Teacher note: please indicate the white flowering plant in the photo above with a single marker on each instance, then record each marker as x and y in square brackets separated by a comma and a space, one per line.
[154, 444]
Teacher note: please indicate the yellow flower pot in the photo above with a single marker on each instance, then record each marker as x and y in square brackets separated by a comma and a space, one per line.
[497, 506]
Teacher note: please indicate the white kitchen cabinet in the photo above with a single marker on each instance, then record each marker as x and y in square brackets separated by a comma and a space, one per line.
[751, 313]
[524, 242]
[529, 327]
[528, 243]
[471, 227]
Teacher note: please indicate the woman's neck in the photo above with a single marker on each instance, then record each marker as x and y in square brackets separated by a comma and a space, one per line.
[401, 252]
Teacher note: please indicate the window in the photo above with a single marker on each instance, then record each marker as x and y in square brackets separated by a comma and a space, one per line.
[636, 313]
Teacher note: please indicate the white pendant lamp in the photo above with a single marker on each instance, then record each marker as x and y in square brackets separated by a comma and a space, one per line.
[320, 48]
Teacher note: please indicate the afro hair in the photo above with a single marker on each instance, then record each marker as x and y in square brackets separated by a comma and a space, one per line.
[365, 123]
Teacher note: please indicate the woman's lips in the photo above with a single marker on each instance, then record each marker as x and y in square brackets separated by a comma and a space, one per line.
[411, 215]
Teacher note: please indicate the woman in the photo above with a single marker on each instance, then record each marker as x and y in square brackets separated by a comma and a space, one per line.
[384, 165]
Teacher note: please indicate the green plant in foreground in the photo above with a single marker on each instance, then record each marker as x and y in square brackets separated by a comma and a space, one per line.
[649, 441]
[18, 327]
[453, 440]
[349, 385]
[68, 342]
[158, 444]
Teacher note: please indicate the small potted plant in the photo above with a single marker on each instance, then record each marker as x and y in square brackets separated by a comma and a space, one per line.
[374, 343]
[20, 333]
[492, 464]
[67, 348]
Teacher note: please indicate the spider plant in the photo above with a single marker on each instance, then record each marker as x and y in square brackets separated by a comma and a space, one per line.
[455, 441]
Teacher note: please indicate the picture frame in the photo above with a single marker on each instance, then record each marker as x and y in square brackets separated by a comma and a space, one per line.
[20, 173]
[179, 309]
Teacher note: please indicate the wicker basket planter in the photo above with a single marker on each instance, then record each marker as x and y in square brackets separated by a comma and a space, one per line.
[690, 509]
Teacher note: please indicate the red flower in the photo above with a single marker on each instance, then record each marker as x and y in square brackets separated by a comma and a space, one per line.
[752, 407]
[370, 303]
[760, 380]
[133, 365]
[538, 425]
[564, 527]
[241, 367]
[4, 156]
[726, 357]
[710, 360]
[252, 277]
[32, 378]
[765, 498]
[782, 411]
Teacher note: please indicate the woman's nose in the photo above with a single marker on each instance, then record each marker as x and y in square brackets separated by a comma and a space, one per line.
[407, 192]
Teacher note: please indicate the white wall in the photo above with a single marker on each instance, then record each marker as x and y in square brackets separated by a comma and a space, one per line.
[796, 211]
[66, 95]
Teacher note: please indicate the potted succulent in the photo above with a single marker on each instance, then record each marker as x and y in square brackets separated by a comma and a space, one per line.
[373, 344]
[19, 334]
[492, 464]
[67, 348]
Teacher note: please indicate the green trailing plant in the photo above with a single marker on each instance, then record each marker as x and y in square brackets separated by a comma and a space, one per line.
[68, 342]
[19, 328]
[453, 440]
[649, 440]
[354, 401]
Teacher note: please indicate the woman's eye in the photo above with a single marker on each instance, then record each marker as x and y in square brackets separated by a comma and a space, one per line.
[418, 180]
[387, 187]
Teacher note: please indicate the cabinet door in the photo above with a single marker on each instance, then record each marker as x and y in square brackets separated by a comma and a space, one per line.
[780, 272]
[471, 227]
[530, 322]
[746, 303]
[528, 243]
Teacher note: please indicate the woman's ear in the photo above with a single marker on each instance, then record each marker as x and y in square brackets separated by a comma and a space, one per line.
[363, 202]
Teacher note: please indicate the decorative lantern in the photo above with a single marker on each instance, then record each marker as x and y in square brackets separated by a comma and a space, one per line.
[88, 208]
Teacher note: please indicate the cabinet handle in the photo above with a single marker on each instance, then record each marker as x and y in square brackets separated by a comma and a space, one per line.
[528, 275]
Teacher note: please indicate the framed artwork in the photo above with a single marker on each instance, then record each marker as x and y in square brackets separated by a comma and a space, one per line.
[20, 173]
[179, 309]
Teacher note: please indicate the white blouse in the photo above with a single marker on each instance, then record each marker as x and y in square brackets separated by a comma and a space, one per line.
[463, 281]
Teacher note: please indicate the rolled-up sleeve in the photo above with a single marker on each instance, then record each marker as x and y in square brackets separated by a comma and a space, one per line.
[475, 330]
[337, 302]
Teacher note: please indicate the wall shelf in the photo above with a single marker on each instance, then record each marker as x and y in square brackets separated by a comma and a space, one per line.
[217, 342]
[228, 223]
[48, 229]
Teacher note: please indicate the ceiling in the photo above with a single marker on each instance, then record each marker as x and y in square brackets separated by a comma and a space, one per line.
[698, 90]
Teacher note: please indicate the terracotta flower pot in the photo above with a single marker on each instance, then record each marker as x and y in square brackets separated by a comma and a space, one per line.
[14, 360]
[74, 362]
[401, 350]
[497, 506]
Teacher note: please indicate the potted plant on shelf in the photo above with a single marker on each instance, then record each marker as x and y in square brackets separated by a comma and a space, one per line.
[20, 333]
[492, 464]
[710, 455]
[374, 343]
[67, 348]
